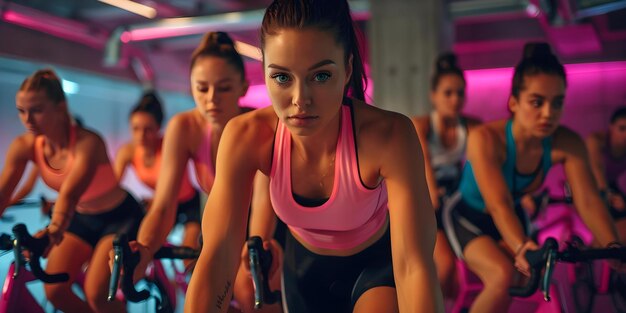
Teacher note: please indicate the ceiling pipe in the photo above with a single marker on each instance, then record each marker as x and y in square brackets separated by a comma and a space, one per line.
[467, 11]
[186, 26]
[74, 31]
[54, 25]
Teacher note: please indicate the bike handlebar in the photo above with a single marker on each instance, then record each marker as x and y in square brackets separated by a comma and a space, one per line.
[548, 255]
[260, 262]
[36, 246]
[128, 260]
[537, 259]
[6, 243]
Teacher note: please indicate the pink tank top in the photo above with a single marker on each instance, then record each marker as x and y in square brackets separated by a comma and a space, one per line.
[351, 215]
[150, 175]
[102, 182]
[203, 162]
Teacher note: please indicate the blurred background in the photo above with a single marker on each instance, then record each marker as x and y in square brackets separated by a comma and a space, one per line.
[107, 52]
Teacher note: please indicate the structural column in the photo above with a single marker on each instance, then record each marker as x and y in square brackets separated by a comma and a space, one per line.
[405, 37]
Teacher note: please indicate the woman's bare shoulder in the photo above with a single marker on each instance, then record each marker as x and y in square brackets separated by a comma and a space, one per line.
[259, 124]
[250, 136]
[126, 152]
[472, 121]
[422, 123]
[378, 130]
[487, 139]
[23, 144]
[596, 139]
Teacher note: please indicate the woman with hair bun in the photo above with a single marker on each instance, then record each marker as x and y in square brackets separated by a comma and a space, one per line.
[218, 81]
[509, 158]
[607, 152]
[144, 154]
[90, 208]
[444, 134]
[347, 179]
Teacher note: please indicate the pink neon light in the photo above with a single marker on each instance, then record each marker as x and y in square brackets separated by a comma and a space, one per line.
[76, 33]
[594, 89]
[256, 97]
[575, 39]
[156, 33]
[126, 37]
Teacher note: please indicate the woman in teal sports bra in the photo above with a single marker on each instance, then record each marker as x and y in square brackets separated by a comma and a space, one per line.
[509, 158]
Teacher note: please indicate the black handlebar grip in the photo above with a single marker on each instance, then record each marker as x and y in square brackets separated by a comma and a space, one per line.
[129, 262]
[537, 260]
[260, 263]
[36, 246]
[177, 253]
[6, 243]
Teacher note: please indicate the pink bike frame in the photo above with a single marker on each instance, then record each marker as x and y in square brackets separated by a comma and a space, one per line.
[157, 272]
[15, 296]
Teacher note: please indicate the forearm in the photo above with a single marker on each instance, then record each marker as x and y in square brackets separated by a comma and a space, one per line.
[418, 291]
[263, 226]
[155, 227]
[19, 195]
[510, 227]
[4, 202]
[63, 211]
[597, 218]
[210, 290]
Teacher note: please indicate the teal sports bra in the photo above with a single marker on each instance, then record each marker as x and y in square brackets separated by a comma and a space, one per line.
[515, 181]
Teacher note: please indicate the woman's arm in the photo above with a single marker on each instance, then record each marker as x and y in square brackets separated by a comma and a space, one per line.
[16, 158]
[421, 126]
[27, 187]
[412, 220]
[596, 161]
[472, 122]
[587, 200]
[224, 221]
[262, 216]
[161, 216]
[89, 150]
[122, 159]
[482, 153]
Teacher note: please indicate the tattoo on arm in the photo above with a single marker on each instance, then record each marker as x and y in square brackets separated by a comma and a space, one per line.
[221, 299]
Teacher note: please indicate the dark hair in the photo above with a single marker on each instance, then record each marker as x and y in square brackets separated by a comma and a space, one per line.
[79, 121]
[151, 104]
[618, 114]
[47, 80]
[327, 15]
[537, 59]
[219, 44]
[445, 65]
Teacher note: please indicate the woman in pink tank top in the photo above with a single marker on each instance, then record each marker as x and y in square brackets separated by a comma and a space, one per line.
[218, 81]
[90, 208]
[607, 154]
[347, 178]
[144, 154]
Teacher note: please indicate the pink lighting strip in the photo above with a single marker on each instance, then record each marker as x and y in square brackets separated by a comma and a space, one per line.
[55, 26]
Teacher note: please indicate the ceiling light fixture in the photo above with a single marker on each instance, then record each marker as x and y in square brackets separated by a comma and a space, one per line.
[133, 7]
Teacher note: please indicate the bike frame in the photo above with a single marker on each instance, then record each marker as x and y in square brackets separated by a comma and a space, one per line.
[15, 296]
[157, 272]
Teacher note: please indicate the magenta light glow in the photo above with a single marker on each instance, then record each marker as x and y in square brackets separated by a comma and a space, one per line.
[57, 27]
[594, 90]
[256, 97]
[574, 40]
